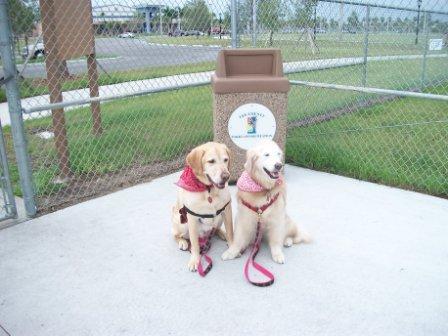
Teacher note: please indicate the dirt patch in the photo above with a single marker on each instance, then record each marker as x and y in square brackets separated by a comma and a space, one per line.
[77, 189]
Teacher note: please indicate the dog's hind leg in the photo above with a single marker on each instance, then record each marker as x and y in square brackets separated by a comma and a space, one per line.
[221, 234]
[294, 234]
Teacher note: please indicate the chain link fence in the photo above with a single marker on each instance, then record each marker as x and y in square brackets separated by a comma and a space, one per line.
[116, 93]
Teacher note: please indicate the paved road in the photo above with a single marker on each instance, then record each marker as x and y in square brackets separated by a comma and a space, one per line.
[128, 54]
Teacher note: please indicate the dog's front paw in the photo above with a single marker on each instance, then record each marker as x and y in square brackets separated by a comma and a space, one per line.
[183, 244]
[279, 257]
[193, 263]
[229, 254]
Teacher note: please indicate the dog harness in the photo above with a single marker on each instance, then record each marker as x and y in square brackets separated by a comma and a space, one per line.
[190, 182]
[246, 183]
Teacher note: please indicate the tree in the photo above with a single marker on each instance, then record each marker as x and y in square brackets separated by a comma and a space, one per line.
[168, 15]
[269, 13]
[333, 24]
[22, 17]
[304, 11]
[196, 16]
[354, 25]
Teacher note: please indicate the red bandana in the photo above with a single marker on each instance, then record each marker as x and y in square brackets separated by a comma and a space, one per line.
[190, 182]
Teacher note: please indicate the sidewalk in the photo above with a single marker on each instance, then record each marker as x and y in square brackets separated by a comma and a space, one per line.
[192, 78]
[109, 266]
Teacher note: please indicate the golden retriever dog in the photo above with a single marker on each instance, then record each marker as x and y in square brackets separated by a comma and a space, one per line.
[260, 183]
[203, 190]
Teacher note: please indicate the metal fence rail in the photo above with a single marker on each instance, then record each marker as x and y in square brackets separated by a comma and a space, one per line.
[115, 94]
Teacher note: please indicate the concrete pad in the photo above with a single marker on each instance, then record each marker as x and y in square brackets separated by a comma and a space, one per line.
[378, 266]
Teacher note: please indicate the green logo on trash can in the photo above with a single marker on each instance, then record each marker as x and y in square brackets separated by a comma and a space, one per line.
[251, 125]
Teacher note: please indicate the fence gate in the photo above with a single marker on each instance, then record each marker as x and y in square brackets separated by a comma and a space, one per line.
[7, 202]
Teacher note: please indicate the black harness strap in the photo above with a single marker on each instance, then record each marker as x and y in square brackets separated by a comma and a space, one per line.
[183, 213]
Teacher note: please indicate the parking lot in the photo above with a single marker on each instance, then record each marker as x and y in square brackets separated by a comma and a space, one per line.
[118, 54]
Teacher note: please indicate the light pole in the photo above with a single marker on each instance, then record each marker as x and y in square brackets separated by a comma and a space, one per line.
[419, 3]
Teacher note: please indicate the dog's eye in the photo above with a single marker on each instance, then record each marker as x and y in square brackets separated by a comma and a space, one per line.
[211, 161]
[267, 154]
[226, 159]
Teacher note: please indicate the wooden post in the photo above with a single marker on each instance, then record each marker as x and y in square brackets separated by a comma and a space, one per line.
[55, 75]
[60, 134]
[68, 33]
[94, 92]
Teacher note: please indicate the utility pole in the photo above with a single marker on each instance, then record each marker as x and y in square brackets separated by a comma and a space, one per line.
[419, 4]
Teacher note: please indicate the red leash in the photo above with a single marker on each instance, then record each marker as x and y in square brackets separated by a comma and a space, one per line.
[256, 247]
[204, 246]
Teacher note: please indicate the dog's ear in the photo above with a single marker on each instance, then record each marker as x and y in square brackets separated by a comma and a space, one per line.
[229, 155]
[194, 160]
[251, 158]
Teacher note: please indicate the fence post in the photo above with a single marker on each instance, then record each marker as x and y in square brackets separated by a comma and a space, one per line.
[366, 45]
[254, 23]
[8, 195]
[15, 111]
[341, 19]
[233, 23]
[425, 51]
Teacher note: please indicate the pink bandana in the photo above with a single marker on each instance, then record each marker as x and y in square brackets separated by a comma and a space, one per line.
[190, 182]
[246, 183]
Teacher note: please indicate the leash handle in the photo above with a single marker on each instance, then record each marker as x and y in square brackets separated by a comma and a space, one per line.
[251, 262]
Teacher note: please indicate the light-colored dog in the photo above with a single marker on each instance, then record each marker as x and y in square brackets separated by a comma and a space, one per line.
[210, 165]
[263, 167]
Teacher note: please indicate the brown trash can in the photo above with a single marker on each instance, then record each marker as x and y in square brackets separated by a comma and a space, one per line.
[250, 101]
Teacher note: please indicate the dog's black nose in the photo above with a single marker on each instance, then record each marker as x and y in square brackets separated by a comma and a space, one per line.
[278, 166]
[225, 176]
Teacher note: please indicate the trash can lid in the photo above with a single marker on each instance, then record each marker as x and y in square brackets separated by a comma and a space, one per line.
[249, 70]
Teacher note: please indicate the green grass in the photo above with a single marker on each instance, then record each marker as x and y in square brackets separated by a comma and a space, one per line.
[351, 45]
[399, 75]
[400, 143]
[330, 46]
[137, 132]
[159, 127]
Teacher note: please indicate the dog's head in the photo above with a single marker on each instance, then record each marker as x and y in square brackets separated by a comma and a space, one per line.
[210, 163]
[264, 163]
